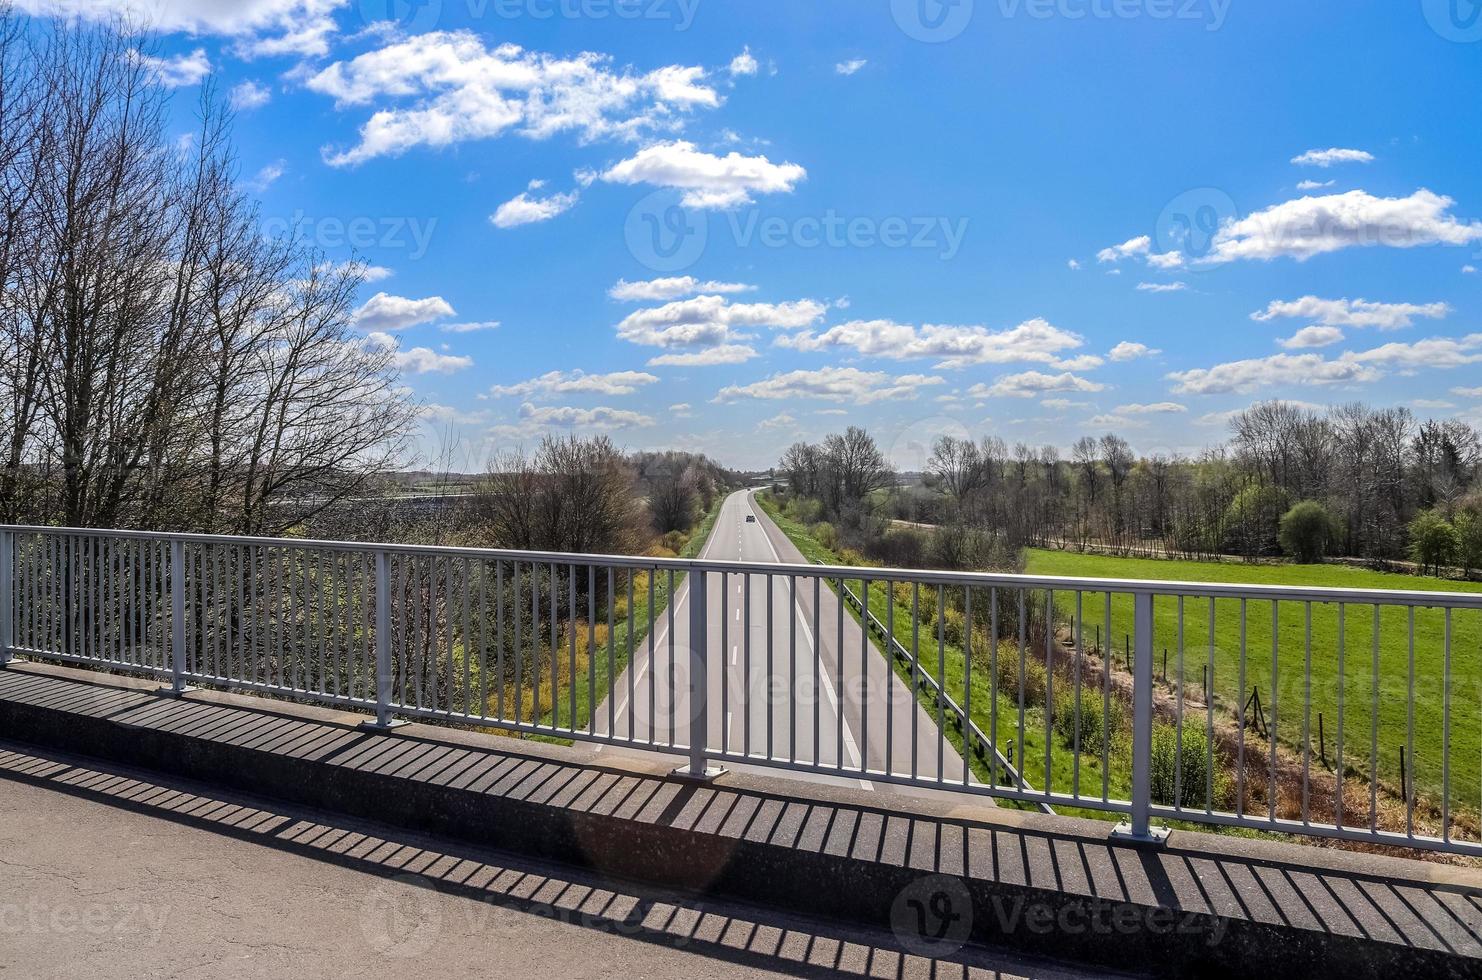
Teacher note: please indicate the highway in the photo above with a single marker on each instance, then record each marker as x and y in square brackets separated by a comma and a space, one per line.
[834, 702]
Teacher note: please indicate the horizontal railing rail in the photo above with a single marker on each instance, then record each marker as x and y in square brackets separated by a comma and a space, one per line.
[1353, 714]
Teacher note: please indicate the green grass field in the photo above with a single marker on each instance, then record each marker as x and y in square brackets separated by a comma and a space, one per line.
[1418, 731]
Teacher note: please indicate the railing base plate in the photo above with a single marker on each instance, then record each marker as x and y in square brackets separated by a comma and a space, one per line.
[376, 726]
[685, 773]
[174, 692]
[1155, 837]
[11, 662]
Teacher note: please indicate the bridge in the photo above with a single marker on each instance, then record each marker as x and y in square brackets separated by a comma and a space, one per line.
[906, 761]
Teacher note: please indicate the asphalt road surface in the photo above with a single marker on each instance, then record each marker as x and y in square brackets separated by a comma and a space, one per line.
[819, 694]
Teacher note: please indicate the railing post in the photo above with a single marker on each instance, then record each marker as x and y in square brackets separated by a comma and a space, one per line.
[7, 595]
[177, 620]
[1139, 829]
[383, 720]
[699, 681]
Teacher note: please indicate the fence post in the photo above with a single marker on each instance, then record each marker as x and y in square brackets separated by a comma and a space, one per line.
[177, 620]
[7, 595]
[1138, 829]
[384, 721]
[699, 680]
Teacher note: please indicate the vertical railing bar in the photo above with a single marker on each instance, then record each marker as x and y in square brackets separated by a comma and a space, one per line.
[1342, 684]
[1023, 666]
[1306, 712]
[1240, 720]
[915, 677]
[571, 616]
[864, 676]
[673, 689]
[612, 656]
[992, 684]
[941, 692]
[967, 683]
[792, 669]
[890, 685]
[1374, 729]
[465, 587]
[1178, 715]
[1446, 730]
[770, 668]
[1080, 655]
[1049, 687]
[817, 671]
[518, 605]
[839, 691]
[177, 615]
[1139, 826]
[1410, 730]
[383, 638]
[500, 684]
[592, 649]
[632, 696]
[746, 665]
[1272, 729]
[1209, 720]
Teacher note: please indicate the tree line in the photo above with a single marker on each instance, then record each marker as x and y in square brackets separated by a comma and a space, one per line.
[163, 364]
[1350, 481]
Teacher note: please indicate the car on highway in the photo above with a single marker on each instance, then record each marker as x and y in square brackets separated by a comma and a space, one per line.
[751, 518]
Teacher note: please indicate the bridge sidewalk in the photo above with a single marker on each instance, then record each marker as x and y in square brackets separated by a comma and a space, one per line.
[938, 873]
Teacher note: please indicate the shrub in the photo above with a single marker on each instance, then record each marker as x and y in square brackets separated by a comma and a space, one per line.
[1469, 541]
[1167, 763]
[823, 532]
[1433, 541]
[1094, 734]
[1306, 532]
[1007, 668]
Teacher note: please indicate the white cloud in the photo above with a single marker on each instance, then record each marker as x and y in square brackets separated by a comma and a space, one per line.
[268, 176]
[1140, 245]
[1332, 155]
[1352, 312]
[712, 321]
[708, 181]
[1313, 336]
[1131, 350]
[471, 327]
[839, 384]
[743, 64]
[522, 209]
[1314, 185]
[1032, 383]
[578, 382]
[954, 347]
[418, 360]
[1350, 367]
[259, 26]
[724, 354]
[1468, 392]
[658, 290]
[1468, 270]
[386, 312]
[850, 67]
[1073, 264]
[1162, 287]
[181, 70]
[1154, 408]
[533, 418]
[1433, 352]
[782, 420]
[460, 90]
[1115, 421]
[680, 410]
[250, 95]
[1311, 226]
[1431, 403]
[1274, 371]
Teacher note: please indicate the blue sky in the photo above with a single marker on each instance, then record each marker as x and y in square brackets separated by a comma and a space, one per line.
[1035, 219]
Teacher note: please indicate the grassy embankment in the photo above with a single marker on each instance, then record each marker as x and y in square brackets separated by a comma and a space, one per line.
[1356, 681]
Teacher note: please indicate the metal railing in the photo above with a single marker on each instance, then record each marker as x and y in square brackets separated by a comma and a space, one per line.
[1352, 714]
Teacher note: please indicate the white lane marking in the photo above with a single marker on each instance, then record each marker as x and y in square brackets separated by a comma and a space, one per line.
[849, 743]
